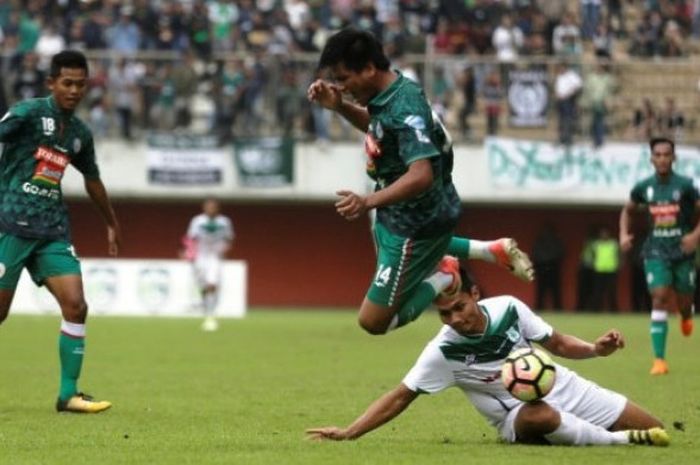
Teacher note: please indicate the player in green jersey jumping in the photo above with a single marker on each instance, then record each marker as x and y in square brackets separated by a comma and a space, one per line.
[671, 201]
[410, 158]
[41, 137]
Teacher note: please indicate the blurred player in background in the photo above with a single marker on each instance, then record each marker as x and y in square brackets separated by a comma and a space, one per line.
[410, 159]
[41, 138]
[469, 352]
[671, 201]
[209, 237]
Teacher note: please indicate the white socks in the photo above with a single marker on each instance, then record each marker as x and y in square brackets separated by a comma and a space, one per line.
[479, 250]
[574, 431]
[72, 329]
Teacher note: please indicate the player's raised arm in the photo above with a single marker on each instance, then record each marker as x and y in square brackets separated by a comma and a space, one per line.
[381, 411]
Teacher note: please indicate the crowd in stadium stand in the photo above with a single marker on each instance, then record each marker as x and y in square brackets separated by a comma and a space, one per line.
[201, 33]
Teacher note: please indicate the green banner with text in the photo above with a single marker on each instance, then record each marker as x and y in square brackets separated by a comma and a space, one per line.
[264, 161]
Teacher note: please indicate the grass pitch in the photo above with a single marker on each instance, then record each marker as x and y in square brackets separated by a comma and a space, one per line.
[245, 394]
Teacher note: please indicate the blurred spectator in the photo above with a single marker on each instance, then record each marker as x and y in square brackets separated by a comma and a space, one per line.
[567, 88]
[606, 252]
[584, 276]
[603, 41]
[466, 83]
[163, 111]
[696, 23]
[29, 80]
[223, 15]
[28, 33]
[124, 36]
[671, 121]
[199, 30]
[123, 80]
[644, 121]
[547, 257]
[492, 92]
[288, 101]
[672, 44]
[566, 38]
[149, 88]
[598, 91]
[50, 42]
[590, 12]
[256, 79]
[507, 40]
[616, 17]
[228, 90]
[647, 37]
[184, 81]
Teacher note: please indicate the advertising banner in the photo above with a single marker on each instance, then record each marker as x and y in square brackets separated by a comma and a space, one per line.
[545, 167]
[141, 288]
[528, 97]
[184, 159]
[264, 161]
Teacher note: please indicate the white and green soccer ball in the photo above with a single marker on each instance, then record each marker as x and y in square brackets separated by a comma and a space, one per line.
[528, 374]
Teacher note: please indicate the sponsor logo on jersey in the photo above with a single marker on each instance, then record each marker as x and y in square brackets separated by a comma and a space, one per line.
[77, 145]
[52, 164]
[48, 192]
[665, 215]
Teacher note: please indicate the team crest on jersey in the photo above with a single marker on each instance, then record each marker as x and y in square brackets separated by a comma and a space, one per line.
[470, 359]
[650, 193]
[676, 195]
[76, 145]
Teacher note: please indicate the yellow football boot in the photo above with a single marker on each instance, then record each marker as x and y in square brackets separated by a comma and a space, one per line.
[82, 403]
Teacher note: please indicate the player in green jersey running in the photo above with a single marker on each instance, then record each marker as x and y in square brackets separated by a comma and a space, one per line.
[671, 201]
[41, 137]
[410, 158]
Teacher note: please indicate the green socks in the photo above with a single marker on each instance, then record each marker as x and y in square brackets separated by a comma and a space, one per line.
[659, 331]
[71, 346]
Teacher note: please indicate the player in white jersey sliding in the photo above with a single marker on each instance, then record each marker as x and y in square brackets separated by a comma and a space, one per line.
[209, 237]
[468, 353]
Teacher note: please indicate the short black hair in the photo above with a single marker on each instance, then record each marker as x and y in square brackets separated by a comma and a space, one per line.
[355, 49]
[662, 140]
[68, 59]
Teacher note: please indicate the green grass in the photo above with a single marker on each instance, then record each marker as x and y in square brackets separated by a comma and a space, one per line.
[245, 394]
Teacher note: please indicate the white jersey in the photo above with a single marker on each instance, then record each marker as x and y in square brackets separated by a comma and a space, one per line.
[211, 235]
[473, 363]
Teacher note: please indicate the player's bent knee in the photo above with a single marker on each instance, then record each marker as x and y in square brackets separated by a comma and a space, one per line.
[75, 311]
[537, 418]
[372, 327]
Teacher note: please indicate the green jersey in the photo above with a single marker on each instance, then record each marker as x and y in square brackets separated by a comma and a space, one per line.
[39, 142]
[671, 207]
[402, 130]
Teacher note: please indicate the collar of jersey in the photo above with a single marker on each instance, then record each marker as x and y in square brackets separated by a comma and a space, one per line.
[54, 106]
[384, 96]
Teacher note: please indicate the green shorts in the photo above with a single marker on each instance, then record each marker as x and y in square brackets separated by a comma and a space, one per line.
[402, 264]
[678, 274]
[43, 258]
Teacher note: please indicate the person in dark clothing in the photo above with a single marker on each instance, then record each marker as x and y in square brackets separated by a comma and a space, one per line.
[547, 257]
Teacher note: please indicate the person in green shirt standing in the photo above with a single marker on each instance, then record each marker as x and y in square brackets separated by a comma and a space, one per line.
[671, 201]
[41, 137]
[410, 158]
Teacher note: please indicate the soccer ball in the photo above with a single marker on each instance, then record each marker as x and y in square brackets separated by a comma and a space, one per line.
[528, 374]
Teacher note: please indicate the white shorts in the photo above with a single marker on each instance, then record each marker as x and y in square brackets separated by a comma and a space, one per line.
[207, 270]
[578, 396]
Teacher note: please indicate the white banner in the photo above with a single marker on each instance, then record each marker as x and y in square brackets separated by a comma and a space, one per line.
[183, 159]
[542, 166]
[141, 288]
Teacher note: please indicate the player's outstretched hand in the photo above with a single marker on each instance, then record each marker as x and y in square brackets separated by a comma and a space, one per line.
[350, 206]
[609, 343]
[332, 433]
[325, 94]
[114, 240]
